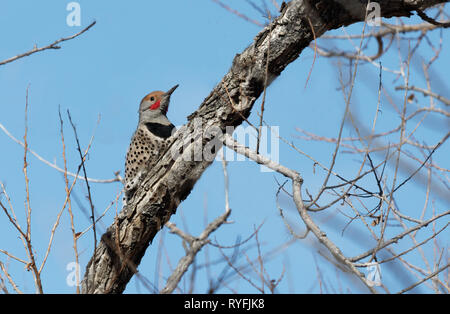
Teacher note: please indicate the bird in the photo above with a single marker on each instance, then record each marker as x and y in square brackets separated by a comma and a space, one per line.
[150, 139]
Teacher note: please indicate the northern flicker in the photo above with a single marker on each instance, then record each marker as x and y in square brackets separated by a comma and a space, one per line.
[149, 140]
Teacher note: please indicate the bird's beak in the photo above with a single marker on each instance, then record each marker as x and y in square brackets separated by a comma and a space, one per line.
[170, 91]
[166, 99]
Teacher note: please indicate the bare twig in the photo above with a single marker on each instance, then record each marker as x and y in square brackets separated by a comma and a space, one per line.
[263, 101]
[430, 20]
[237, 13]
[8, 276]
[424, 279]
[425, 92]
[54, 166]
[69, 202]
[315, 50]
[398, 237]
[82, 158]
[32, 264]
[53, 45]
[296, 184]
[13, 257]
[195, 245]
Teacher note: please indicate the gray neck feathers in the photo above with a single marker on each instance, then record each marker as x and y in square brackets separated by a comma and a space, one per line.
[153, 117]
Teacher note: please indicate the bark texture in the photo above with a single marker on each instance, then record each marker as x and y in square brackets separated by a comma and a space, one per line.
[124, 243]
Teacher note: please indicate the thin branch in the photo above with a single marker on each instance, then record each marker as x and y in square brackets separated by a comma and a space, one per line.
[424, 279]
[53, 45]
[32, 264]
[387, 30]
[296, 183]
[13, 257]
[82, 158]
[425, 92]
[263, 101]
[196, 245]
[315, 51]
[54, 166]
[69, 202]
[8, 276]
[237, 13]
[424, 162]
[398, 237]
[430, 20]
[396, 256]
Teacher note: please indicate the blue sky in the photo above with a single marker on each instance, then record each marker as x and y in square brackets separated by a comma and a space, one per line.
[153, 45]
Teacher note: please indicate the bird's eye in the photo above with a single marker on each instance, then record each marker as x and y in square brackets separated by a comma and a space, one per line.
[152, 98]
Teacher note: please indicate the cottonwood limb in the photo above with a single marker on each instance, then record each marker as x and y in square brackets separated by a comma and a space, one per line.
[162, 189]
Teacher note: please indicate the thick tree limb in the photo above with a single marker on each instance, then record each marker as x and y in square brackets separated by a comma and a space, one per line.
[172, 179]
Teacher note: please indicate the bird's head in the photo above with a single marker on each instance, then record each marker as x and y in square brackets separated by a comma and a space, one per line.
[154, 106]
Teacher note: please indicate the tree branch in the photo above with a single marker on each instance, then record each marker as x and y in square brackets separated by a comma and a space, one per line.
[53, 45]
